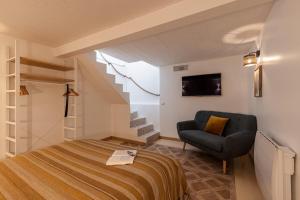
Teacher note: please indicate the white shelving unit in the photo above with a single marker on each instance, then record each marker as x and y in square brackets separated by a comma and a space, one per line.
[14, 77]
[70, 122]
[12, 71]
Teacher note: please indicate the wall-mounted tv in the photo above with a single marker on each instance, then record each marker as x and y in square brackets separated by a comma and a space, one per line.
[202, 85]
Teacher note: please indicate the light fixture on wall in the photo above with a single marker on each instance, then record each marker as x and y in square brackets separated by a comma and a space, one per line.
[251, 59]
[23, 90]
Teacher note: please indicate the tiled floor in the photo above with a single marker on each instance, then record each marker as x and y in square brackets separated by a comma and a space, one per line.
[245, 181]
[204, 174]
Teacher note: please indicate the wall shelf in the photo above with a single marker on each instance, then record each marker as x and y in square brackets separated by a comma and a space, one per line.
[11, 59]
[70, 129]
[47, 79]
[71, 117]
[10, 107]
[8, 154]
[13, 78]
[10, 123]
[11, 139]
[11, 75]
[42, 64]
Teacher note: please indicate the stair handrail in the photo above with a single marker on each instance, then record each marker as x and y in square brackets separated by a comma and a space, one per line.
[128, 77]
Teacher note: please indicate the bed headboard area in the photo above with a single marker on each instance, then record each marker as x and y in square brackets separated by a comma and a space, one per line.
[274, 166]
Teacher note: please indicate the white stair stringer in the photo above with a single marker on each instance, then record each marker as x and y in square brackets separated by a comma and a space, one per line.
[102, 80]
[113, 92]
[124, 123]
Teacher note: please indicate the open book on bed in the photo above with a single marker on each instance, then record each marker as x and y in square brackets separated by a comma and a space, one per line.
[121, 157]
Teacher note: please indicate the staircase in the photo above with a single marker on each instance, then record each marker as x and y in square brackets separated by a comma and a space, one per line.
[145, 131]
[105, 82]
[111, 84]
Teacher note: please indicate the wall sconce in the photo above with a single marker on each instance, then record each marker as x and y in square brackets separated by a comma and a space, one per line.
[250, 59]
[23, 90]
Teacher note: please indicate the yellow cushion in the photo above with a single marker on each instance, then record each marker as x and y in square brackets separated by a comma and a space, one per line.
[215, 125]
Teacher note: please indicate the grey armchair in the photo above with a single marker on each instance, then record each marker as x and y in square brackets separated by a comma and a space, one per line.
[236, 140]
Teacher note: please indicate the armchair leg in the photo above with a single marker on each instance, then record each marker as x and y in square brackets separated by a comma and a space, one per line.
[184, 146]
[224, 166]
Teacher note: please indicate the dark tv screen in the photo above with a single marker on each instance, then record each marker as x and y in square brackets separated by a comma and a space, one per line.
[201, 85]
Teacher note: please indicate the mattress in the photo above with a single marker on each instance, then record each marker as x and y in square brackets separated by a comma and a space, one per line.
[77, 170]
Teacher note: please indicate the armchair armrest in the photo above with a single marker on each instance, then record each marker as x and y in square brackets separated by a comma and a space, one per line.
[238, 143]
[186, 125]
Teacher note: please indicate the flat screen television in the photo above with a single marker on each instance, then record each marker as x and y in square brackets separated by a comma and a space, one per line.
[202, 85]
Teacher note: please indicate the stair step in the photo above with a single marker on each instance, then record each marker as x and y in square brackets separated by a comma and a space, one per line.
[126, 95]
[68, 139]
[144, 129]
[151, 137]
[119, 86]
[138, 122]
[111, 76]
[10, 154]
[133, 115]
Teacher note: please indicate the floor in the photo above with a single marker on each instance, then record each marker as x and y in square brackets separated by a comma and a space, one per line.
[243, 173]
[245, 181]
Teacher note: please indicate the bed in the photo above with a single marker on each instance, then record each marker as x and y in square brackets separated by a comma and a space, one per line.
[77, 170]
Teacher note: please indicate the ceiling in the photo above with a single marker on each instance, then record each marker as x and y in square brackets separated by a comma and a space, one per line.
[231, 34]
[56, 22]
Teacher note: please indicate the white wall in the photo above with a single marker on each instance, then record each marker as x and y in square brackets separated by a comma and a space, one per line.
[175, 108]
[278, 110]
[147, 76]
[120, 120]
[95, 109]
[146, 104]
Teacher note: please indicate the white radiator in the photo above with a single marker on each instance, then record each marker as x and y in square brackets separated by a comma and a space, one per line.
[274, 166]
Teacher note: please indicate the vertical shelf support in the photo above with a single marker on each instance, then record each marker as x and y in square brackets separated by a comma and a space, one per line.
[12, 73]
[12, 138]
[17, 93]
[67, 129]
[75, 99]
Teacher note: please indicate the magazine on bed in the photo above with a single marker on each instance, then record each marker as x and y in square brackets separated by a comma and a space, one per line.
[121, 157]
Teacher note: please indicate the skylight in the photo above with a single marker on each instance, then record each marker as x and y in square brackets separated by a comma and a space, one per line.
[117, 61]
[111, 59]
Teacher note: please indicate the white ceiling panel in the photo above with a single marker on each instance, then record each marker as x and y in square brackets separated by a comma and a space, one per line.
[56, 22]
[199, 41]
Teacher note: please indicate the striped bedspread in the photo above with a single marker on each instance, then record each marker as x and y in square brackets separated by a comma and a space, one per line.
[77, 170]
